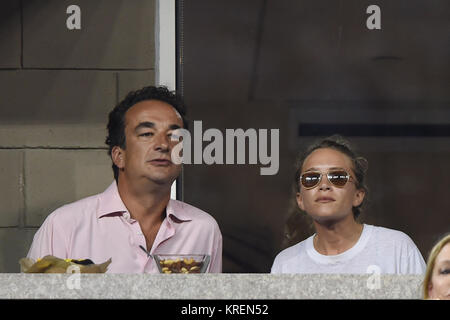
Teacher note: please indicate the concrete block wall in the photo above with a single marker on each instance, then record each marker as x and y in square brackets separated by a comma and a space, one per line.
[57, 87]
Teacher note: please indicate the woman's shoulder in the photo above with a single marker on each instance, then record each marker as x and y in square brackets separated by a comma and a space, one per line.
[292, 252]
[384, 234]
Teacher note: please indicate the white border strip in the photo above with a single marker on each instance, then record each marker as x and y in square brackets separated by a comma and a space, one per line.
[165, 47]
[166, 44]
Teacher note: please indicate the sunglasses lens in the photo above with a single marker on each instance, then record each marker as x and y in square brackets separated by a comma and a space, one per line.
[338, 178]
[310, 179]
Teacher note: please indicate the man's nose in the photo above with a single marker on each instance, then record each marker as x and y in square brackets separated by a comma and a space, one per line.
[162, 143]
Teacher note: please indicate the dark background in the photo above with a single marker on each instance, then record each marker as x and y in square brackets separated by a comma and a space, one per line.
[311, 68]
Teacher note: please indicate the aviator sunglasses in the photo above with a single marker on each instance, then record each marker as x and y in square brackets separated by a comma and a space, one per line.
[337, 177]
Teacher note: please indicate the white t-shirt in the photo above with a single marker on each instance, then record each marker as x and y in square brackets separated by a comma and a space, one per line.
[378, 249]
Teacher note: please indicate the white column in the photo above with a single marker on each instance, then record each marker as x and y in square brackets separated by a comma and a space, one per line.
[165, 47]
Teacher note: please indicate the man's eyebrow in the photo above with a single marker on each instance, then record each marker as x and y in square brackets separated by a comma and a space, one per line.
[174, 127]
[146, 124]
[151, 125]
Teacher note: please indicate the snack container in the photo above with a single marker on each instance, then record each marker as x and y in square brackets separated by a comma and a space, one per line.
[181, 263]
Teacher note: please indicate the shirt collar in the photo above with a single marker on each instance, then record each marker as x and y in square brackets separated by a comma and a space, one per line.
[177, 209]
[111, 203]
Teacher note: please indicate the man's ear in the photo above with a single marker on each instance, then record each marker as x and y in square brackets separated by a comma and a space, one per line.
[299, 198]
[359, 197]
[118, 156]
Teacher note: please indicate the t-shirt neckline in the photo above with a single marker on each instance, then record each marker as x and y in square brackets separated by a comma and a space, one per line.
[341, 257]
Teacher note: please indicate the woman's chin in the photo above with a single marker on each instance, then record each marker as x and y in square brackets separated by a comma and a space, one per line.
[328, 217]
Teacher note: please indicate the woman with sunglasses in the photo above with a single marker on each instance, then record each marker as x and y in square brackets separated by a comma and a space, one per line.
[330, 188]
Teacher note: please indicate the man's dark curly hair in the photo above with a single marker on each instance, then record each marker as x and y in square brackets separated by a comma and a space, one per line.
[116, 123]
[360, 164]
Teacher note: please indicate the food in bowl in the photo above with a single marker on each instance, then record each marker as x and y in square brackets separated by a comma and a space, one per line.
[181, 263]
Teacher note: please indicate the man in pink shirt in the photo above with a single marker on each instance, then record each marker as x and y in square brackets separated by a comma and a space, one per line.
[134, 217]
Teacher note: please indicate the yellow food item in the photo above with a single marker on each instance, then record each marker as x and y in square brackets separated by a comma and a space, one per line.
[52, 264]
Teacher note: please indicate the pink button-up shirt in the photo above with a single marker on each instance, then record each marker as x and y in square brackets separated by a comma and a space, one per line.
[99, 227]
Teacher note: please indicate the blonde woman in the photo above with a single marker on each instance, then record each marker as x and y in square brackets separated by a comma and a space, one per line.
[437, 277]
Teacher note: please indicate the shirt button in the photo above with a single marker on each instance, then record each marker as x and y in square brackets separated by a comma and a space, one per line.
[126, 215]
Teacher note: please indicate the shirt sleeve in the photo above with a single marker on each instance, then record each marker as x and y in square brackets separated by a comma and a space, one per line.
[411, 261]
[275, 267]
[415, 263]
[215, 265]
[49, 240]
